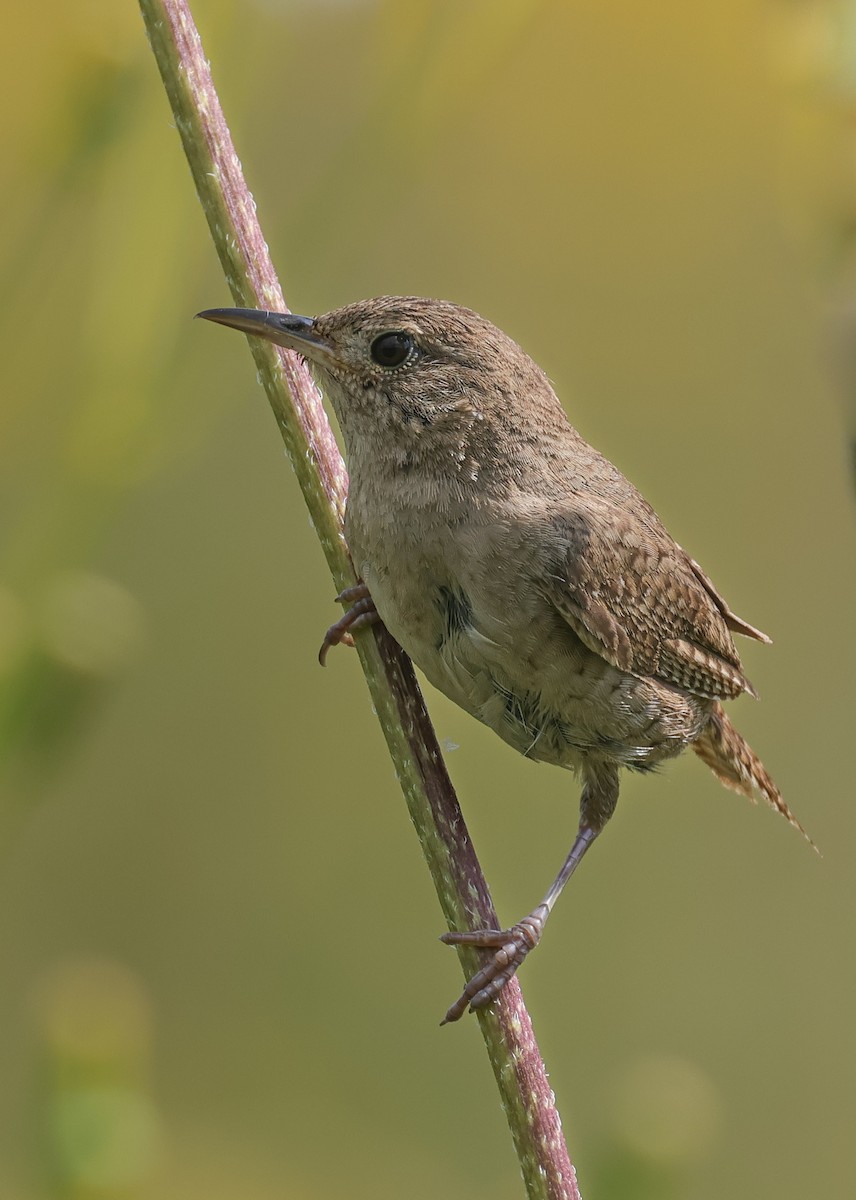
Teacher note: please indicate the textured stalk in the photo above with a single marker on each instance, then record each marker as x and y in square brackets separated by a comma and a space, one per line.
[507, 1030]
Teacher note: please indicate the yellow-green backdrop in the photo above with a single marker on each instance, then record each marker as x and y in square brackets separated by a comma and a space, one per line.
[220, 973]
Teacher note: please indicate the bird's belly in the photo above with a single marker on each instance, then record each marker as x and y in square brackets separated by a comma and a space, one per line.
[521, 670]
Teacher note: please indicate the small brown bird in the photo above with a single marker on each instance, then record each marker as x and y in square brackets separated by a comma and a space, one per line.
[518, 568]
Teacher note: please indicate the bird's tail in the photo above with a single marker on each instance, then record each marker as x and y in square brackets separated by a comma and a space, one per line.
[735, 763]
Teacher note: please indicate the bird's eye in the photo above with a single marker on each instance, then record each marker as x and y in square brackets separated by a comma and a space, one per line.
[392, 349]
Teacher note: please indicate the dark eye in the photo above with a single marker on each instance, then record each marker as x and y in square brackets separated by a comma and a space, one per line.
[392, 349]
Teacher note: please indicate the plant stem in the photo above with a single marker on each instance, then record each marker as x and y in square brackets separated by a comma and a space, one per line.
[507, 1030]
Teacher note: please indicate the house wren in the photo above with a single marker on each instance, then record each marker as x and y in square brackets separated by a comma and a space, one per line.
[518, 568]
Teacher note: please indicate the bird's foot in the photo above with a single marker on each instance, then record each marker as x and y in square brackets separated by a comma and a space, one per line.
[361, 613]
[511, 945]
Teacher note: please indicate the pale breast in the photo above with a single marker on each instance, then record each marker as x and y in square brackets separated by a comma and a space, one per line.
[490, 640]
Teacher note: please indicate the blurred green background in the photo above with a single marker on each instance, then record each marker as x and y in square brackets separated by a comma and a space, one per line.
[218, 941]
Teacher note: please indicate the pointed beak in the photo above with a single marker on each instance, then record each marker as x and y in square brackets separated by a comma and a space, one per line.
[284, 329]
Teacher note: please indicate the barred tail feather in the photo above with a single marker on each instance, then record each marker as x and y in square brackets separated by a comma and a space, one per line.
[735, 763]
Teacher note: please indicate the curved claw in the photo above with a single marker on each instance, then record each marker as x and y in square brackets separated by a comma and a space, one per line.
[361, 613]
[511, 945]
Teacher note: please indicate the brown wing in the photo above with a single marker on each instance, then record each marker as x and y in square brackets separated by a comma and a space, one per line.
[632, 595]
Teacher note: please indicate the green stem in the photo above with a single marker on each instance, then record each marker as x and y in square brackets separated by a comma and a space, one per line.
[507, 1030]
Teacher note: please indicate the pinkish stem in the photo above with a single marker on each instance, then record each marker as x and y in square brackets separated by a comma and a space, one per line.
[507, 1030]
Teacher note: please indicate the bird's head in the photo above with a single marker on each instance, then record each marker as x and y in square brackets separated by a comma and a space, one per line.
[409, 370]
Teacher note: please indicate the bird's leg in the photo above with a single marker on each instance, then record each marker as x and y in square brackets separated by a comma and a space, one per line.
[597, 804]
[512, 945]
[361, 613]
